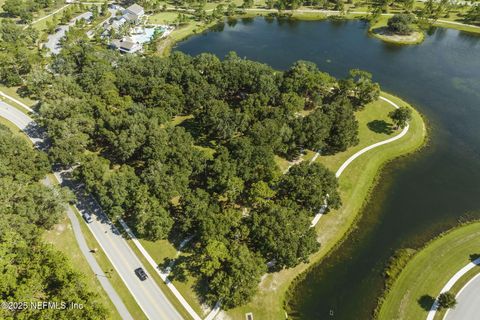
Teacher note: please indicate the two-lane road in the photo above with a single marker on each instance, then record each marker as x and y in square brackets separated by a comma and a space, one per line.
[148, 295]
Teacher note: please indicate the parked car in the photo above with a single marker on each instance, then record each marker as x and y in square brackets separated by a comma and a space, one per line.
[141, 274]
[87, 217]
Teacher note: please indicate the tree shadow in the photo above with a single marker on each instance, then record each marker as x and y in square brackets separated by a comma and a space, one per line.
[380, 126]
[426, 301]
[474, 256]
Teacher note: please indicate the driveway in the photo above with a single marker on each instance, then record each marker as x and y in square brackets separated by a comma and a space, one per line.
[53, 42]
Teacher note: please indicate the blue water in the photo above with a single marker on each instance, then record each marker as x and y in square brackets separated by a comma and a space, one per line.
[418, 196]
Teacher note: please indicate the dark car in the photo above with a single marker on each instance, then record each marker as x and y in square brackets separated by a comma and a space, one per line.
[87, 217]
[141, 274]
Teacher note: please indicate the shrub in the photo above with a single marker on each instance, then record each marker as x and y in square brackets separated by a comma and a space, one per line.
[401, 23]
[447, 300]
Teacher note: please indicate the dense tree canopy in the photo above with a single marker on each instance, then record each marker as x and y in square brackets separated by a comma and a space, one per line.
[16, 54]
[401, 116]
[190, 144]
[32, 270]
[473, 15]
[282, 233]
[401, 23]
[310, 186]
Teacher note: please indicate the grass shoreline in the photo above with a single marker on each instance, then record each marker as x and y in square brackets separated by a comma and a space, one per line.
[417, 37]
[271, 303]
[439, 259]
[166, 45]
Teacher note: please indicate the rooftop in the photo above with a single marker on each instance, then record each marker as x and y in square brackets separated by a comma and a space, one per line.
[136, 9]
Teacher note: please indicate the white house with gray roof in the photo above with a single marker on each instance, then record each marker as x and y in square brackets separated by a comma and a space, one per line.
[134, 13]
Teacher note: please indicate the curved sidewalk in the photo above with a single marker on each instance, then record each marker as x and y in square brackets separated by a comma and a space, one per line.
[449, 285]
[359, 153]
[468, 306]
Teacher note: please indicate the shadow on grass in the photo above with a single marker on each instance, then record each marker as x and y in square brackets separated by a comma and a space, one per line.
[474, 256]
[426, 301]
[380, 126]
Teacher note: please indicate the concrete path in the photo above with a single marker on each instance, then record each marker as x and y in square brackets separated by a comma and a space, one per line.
[358, 154]
[163, 275]
[468, 306]
[20, 103]
[15, 116]
[449, 285]
[373, 146]
[49, 15]
[147, 293]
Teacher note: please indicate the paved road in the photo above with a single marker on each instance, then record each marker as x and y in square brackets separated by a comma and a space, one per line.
[101, 276]
[450, 283]
[468, 306]
[19, 120]
[53, 42]
[147, 293]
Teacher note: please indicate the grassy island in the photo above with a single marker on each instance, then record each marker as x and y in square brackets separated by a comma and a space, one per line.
[398, 29]
[384, 35]
[191, 19]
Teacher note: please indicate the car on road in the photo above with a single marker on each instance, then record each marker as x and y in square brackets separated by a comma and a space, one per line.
[87, 217]
[141, 274]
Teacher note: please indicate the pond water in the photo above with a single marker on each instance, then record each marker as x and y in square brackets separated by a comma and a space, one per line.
[418, 196]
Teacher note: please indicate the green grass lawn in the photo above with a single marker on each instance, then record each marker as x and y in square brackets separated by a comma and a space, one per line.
[181, 32]
[179, 119]
[375, 116]
[167, 17]
[355, 185]
[429, 270]
[113, 276]
[159, 251]
[12, 92]
[41, 25]
[62, 238]
[14, 129]
[282, 163]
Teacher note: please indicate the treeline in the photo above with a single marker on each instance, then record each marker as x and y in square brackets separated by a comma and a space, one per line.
[213, 175]
[33, 271]
[17, 52]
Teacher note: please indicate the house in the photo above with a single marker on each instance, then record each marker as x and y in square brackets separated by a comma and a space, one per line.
[126, 45]
[134, 13]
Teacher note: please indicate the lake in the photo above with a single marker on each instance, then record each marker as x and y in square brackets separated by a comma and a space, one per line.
[418, 196]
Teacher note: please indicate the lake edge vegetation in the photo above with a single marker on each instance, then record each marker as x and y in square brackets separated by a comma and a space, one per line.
[109, 115]
[419, 265]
